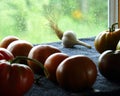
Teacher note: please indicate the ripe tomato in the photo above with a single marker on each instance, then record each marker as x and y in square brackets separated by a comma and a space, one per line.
[20, 48]
[109, 65]
[107, 40]
[7, 40]
[76, 73]
[40, 53]
[15, 79]
[5, 54]
[52, 63]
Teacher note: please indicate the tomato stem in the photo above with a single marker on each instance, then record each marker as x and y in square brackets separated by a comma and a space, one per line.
[36, 61]
[112, 28]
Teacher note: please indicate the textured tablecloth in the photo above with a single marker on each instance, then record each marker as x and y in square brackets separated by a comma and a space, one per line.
[102, 87]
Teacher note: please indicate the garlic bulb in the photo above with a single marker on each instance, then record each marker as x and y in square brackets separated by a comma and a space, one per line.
[69, 39]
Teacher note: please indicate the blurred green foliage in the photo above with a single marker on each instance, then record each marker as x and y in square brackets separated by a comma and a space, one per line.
[27, 19]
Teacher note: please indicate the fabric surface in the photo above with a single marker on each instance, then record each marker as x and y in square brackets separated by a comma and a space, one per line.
[102, 87]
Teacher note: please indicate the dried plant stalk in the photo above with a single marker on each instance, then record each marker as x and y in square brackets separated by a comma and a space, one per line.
[57, 31]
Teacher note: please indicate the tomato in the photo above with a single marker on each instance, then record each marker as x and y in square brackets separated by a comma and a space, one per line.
[76, 73]
[15, 79]
[107, 40]
[7, 40]
[40, 53]
[52, 63]
[20, 48]
[109, 65]
[5, 54]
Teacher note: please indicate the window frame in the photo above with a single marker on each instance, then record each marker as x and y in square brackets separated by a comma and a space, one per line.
[119, 13]
[113, 12]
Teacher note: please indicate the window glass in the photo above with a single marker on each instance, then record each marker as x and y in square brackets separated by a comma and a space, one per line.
[29, 19]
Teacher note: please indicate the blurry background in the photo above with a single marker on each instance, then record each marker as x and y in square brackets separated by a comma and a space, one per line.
[27, 19]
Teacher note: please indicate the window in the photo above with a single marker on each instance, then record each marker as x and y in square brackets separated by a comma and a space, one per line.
[28, 19]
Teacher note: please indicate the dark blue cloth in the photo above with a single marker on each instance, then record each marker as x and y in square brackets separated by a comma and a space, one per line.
[102, 87]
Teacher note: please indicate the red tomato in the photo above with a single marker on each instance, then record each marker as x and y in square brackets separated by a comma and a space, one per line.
[107, 40]
[20, 48]
[40, 53]
[15, 79]
[52, 63]
[7, 40]
[109, 65]
[5, 54]
[76, 73]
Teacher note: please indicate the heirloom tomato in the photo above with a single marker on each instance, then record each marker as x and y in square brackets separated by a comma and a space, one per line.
[109, 64]
[5, 54]
[107, 40]
[76, 73]
[15, 79]
[7, 40]
[52, 63]
[40, 53]
[20, 48]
